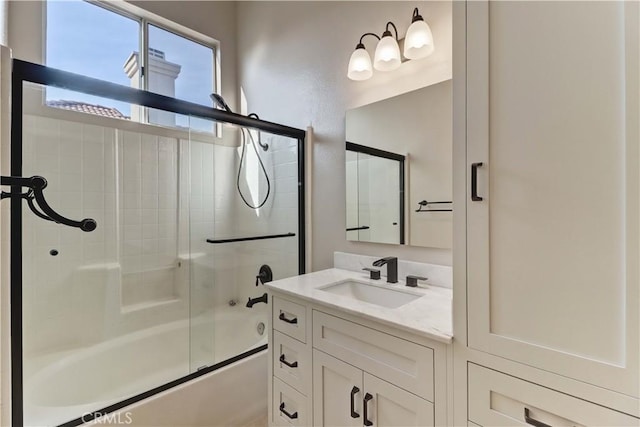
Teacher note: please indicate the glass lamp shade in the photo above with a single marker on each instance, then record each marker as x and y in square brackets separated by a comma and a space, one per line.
[418, 43]
[387, 57]
[360, 65]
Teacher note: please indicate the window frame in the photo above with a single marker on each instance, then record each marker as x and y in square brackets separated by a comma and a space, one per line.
[144, 19]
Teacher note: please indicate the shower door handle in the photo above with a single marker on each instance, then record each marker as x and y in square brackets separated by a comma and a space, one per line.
[290, 321]
[38, 204]
[289, 364]
[287, 414]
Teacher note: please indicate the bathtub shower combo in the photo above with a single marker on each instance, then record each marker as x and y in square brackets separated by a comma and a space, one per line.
[192, 215]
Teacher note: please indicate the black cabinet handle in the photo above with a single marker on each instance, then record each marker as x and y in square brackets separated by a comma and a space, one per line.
[288, 415]
[531, 421]
[367, 398]
[474, 182]
[293, 321]
[355, 390]
[289, 364]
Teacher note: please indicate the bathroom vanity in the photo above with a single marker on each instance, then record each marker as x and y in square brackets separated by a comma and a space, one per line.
[350, 351]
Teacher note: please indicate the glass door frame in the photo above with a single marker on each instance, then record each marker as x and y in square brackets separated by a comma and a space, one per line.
[28, 72]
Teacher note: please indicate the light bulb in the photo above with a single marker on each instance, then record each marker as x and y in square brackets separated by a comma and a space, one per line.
[360, 64]
[387, 56]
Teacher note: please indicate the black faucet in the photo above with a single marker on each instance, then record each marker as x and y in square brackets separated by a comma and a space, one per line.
[392, 268]
[253, 301]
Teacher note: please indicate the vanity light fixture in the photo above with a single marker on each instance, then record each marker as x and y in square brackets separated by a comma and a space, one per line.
[418, 43]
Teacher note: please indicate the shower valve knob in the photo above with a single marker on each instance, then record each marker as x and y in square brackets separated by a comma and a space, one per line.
[265, 275]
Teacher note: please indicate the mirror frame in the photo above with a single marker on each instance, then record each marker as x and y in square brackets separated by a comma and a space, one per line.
[350, 146]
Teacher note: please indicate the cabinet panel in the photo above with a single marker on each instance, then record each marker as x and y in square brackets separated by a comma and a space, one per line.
[393, 406]
[553, 246]
[291, 361]
[336, 385]
[406, 364]
[497, 399]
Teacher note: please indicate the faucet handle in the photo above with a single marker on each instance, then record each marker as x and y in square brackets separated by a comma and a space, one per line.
[374, 274]
[412, 281]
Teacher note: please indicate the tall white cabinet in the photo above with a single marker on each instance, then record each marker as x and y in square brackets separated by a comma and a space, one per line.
[552, 172]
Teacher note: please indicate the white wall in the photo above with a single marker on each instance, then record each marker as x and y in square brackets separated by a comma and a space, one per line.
[292, 63]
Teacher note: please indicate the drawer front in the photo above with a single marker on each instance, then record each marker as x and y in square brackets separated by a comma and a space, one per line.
[406, 364]
[497, 399]
[289, 318]
[291, 361]
[289, 406]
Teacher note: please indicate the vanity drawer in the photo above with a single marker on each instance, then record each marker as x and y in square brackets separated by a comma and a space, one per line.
[401, 362]
[289, 318]
[497, 399]
[289, 406]
[291, 361]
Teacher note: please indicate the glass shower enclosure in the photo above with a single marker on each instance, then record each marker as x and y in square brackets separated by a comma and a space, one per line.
[167, 287]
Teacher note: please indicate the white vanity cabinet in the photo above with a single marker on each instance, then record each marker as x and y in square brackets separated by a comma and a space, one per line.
[552, 175]
[347, 396]
[349, 371]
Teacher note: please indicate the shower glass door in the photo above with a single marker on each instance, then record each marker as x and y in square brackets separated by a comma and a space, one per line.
[106, 312]
[244, 205]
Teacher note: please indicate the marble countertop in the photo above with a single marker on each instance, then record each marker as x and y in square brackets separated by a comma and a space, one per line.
[429, 316]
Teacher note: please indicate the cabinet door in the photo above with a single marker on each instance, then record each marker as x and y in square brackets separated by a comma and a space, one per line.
[388, 405]
[337, 392]
[552, 115]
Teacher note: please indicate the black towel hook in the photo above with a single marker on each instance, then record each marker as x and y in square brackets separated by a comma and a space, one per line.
[38, 204]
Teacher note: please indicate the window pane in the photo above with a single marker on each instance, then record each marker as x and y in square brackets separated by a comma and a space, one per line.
[92, 41]
[180, 68]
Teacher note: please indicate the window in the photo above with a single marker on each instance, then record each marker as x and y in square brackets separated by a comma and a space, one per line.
[191, 62]
[97, 41]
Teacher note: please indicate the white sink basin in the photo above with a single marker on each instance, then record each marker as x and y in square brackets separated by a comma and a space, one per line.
[372, 294]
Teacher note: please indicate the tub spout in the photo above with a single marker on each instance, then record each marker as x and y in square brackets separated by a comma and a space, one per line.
[253, 301]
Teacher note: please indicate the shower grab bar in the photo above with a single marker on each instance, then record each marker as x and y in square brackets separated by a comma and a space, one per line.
[36, 185]
[246, 239]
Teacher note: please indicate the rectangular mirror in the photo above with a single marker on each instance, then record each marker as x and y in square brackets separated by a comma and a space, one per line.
[375, 195]
[399, 169]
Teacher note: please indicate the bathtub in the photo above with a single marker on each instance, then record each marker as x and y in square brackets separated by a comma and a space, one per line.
[68, 384]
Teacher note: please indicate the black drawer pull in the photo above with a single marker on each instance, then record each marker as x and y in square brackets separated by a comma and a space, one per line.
[293, 321]
[474, 182]
[355, 390]
[531, 421]
[284, 411]
[289, 364]
[367, 398]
